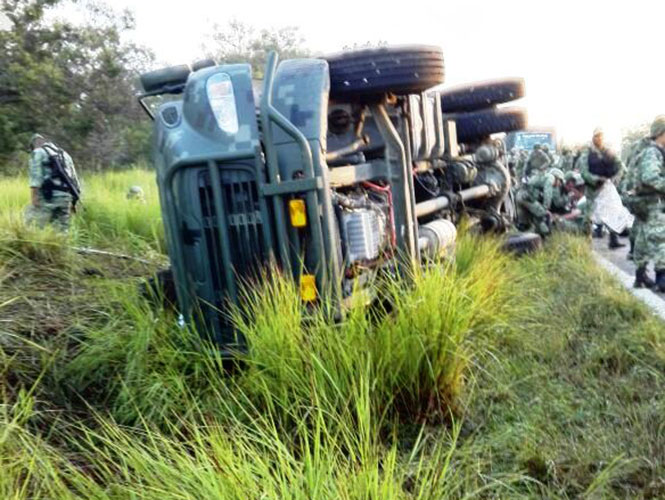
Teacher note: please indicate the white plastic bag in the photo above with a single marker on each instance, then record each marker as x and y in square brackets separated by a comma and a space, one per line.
[609, 210]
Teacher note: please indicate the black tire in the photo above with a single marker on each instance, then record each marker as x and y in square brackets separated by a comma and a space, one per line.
[475, 96]
[523, 243]
[401, 70]
[203, 63]
[165, 77]
[476, 125]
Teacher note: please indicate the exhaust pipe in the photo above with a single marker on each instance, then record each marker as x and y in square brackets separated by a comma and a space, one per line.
[436, 238]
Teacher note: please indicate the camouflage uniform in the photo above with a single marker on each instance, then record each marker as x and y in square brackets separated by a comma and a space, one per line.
[55, 210]
[651, 188]
[566, 162]
[534, 200]
[573, 222]
[537, 162]
[550, 154]
[638, 205]
[593, 182]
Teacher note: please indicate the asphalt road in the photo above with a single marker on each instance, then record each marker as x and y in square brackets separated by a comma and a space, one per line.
[616, 263]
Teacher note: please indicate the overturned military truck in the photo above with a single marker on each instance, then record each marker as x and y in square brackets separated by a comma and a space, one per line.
[334, 168]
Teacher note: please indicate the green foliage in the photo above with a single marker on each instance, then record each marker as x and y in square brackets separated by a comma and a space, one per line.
[239, 42]
[73, 83]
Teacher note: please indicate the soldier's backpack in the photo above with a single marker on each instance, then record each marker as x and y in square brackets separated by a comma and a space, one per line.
[62, 176]
[636, 204]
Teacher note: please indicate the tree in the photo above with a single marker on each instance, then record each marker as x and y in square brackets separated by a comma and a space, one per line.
[73, 82]
[365, 45]
[238, 42]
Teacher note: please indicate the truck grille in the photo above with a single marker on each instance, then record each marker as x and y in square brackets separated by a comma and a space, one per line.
[242, 221]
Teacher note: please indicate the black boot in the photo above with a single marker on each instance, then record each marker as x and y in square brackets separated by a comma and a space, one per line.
[660, 280]
[614, 241]
[632, 247]
[598, 231]
[642, 278]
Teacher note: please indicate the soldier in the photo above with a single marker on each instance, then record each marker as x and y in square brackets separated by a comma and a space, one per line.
[534, 201]
[53, 189]
[565, 163]
[650, 187]
[573, 220]
[537, 162]
[550, 155]
[597, 165]
[560, 202]
[636, 205]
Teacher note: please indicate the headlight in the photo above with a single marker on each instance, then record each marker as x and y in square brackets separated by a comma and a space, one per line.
[222, 101]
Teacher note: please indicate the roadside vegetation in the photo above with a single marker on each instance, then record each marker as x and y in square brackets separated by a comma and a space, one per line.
[483, 377]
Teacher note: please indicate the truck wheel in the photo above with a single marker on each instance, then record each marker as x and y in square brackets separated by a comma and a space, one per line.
[408, 69]
[522, 243]
[476, 125]
[165, 77]
[471, 97]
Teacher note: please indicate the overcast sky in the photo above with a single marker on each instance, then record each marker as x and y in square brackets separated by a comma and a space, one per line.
[587, 63]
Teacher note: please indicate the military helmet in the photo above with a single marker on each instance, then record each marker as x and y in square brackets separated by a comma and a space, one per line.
[557, 173]
[575, 177]
[546, 148]
[135, 193]
[35, 138]
[537, 147]
[658, 126]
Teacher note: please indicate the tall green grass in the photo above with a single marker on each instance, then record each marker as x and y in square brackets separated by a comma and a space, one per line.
[318, 409]
[109, 219]
[105, 219]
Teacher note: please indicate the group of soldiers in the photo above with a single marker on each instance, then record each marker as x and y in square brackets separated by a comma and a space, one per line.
[561, 194]
[549, 191]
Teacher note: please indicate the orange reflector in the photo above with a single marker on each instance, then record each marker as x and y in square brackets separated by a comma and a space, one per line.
[297, 213]
[308, 288]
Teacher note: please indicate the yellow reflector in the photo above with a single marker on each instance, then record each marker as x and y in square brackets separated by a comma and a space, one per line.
[308, 288]
[297, 213]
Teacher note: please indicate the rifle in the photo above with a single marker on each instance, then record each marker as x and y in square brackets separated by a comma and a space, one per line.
[57, 160]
